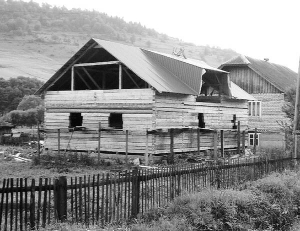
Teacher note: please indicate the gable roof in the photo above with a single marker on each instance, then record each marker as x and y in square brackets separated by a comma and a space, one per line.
[147, 67]
[280, 76]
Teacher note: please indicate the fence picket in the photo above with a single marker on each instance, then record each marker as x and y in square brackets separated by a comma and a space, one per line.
[2, 200]
[122, 195]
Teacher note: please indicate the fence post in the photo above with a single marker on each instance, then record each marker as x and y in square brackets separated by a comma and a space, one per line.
[38, 141]
[239, 138]
[215, 144]
[147, 147]
[198, 141]
[254, 142]
[244, 142]
[135, 209]
[99, 142]
[222, 143]
[60, 198]
[171, 158]
[58, 146]
[126, 148]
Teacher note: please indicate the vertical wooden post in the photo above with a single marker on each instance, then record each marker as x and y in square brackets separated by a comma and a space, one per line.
[58, 144]
[171, 159]
[32, 205]
[254, 144]
[72, 79]
[120, 76]
[296, 116]
[239, 138]
[244, 142]
[38, 140]
[198, 141]
[215, 144]
[99, 142]
[126, 157]
[60, 195]
[135, 192]
[222, 143]
[147, 148]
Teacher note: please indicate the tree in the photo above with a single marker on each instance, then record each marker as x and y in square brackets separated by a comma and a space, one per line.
[289, 109]
[13, 90]
[29, 102]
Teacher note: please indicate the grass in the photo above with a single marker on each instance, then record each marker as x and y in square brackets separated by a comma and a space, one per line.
[77, 165]
[267, 204]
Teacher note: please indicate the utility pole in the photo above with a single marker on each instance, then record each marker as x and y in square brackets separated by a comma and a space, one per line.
[296, 116]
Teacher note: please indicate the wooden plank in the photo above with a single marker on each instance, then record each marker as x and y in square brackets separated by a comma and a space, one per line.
[96, 64]
[32, 205]
[91, 78]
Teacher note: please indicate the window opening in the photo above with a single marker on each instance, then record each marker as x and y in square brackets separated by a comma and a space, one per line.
[251, 139]
[254, 108]
[75, 120]
[115, 120]
[234, 122]
[201, 123]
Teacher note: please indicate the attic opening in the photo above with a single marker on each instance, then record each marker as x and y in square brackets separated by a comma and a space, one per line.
[214, 85]
[97, 69]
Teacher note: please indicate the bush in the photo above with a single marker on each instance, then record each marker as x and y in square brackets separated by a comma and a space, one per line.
[267, 204]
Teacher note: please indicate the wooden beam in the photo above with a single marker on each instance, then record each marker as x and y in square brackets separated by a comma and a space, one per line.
[296, 116]
[92, 56]
[96, 64]
[83, 80]
[91, 78]
[120, 76]
[70, 66]
[103, 80]
[72, 79]
[131, 78]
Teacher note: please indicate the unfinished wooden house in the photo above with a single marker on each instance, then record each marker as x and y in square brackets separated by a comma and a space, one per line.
[267, 83]
[126, 88]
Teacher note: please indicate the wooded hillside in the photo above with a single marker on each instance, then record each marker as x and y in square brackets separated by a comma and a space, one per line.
[35, 40]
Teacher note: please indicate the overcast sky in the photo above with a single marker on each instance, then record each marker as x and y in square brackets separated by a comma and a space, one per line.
[257, 28]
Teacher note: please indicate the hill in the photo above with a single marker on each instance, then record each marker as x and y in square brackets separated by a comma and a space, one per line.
[36, 40]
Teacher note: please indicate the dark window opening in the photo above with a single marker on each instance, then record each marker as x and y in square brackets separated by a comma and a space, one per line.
[75, 120]
[234, 122]
[201, 123]
[115, 120]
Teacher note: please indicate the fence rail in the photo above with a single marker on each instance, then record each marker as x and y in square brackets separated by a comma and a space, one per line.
[113, 197]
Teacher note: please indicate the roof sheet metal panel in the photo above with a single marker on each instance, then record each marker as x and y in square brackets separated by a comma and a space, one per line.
[193, 62]
[189, 74]
[135, 59]
[239, 93]
[282, 77]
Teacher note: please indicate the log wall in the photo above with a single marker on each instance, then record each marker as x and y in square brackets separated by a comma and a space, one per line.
[95, 106]
[271, 113]
[177, 111]
[141, 109]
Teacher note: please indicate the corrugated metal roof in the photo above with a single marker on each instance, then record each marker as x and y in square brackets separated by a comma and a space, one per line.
[143, 66]
[280, 76]
[166, 73]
